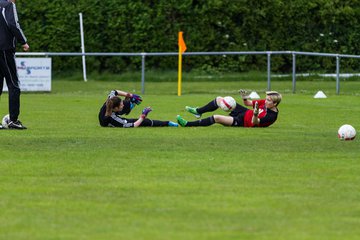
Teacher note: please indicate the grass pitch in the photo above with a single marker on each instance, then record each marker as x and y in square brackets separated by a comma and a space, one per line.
[67, 178]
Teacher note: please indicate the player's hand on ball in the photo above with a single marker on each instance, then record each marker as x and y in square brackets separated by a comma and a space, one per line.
[145, 112]
[244, 94]
[136, 99]
[113, 93]
[256, 109]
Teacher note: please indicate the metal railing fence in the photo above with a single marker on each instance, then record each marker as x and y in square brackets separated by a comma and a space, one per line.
[267, 53]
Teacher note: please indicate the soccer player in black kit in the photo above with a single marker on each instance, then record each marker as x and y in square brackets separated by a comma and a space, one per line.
[111, 112]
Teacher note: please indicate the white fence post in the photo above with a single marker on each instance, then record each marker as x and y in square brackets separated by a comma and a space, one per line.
[82, 46]
[294, 72]
[337, 74]
[143, 73]
[268, 71]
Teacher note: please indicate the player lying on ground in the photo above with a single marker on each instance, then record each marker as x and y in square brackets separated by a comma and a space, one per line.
[263, 114]
[111, 111]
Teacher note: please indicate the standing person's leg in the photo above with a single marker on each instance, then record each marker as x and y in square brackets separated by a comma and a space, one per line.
[2, 64]
[1, 82]
[3, 68]
[1, 90]
[13, 84]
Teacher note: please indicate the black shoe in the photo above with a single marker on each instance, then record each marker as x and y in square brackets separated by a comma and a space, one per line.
[16, 125]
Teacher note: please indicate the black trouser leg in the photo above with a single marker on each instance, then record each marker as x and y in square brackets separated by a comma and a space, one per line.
[8, 69]
[1, 83]
[14, 103]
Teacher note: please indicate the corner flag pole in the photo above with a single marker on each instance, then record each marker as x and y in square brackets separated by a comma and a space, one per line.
[182, 49]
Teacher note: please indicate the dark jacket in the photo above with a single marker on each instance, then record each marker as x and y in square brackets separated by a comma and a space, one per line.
[10, 31]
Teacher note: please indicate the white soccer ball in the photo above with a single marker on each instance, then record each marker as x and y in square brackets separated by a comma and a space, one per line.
[5, 121]
[227, 104]
[346, 132]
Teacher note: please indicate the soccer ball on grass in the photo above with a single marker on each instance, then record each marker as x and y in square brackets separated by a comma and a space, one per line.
[5, 121]
[346, 132]
[227, 104]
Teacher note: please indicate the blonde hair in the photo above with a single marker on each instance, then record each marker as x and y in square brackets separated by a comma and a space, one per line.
[275, 97]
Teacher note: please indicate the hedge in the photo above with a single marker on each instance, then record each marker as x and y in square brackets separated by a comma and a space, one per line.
[330, 26]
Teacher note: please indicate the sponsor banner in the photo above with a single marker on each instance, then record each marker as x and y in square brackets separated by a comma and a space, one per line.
[34, 74]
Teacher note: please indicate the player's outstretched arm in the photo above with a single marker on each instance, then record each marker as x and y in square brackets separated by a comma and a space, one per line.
[255, 120]
[245, 97]
[134, 98]
[123, 93]
[143, 115]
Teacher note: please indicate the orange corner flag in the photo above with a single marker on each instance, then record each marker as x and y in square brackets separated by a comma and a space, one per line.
[182, 45]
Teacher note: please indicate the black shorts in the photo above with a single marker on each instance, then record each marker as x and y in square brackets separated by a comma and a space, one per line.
[238, 115]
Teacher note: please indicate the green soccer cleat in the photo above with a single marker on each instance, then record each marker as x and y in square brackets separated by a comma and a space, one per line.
[193, 111]
[182, 122]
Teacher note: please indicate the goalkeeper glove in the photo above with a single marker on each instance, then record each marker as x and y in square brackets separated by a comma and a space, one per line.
[136, 99]
[256, 109]
[113, 93]
[145, 112]
[244, 94]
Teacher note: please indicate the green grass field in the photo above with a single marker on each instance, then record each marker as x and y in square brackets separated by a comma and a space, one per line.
[67, 178]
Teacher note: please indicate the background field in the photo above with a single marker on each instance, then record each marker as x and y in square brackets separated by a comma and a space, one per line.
[67, 178]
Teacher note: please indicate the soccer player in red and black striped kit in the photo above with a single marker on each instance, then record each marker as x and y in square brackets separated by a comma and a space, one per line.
[263, 114]
[10, 33]
[111, 111]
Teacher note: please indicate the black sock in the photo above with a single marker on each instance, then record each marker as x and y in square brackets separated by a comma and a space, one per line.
[210, 107]
[158, 123]
[202, 122]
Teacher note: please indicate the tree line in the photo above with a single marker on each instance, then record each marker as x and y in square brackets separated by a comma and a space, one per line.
[330, 26]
